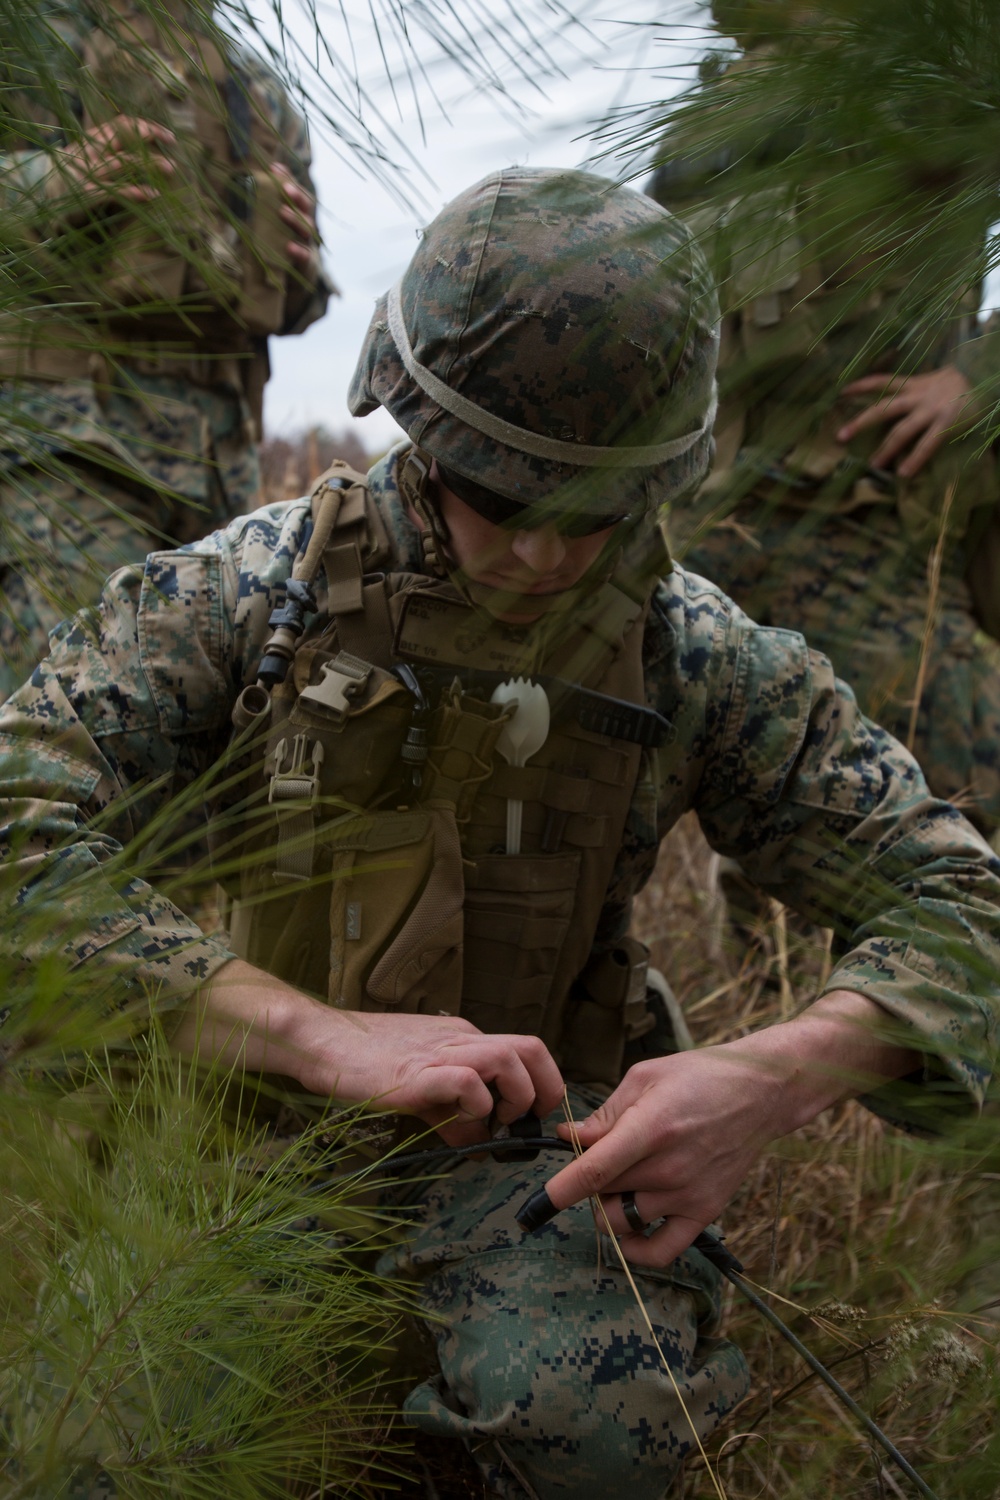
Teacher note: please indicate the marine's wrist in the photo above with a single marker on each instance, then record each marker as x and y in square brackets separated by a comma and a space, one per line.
[245, 1014]
[841, 1046]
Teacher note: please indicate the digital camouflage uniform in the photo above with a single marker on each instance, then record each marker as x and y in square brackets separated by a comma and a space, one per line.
[132, 427]
[545, 1367]
[541, 1350]
[799, 530]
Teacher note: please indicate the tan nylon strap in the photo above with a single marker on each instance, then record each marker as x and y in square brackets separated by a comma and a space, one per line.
[343, 576]
[521, 438]
[295, 849]
[367, 632]
[327, 501]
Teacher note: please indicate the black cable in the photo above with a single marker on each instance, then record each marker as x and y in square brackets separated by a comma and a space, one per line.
[516, 1147]
[829, 1380]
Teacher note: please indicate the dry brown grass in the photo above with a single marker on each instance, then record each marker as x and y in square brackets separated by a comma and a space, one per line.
[871, 1234]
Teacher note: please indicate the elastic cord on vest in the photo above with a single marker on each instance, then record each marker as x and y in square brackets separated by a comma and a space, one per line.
[523, 440]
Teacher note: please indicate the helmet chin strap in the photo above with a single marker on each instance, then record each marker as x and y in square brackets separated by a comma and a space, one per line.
[508, 605]
[413, 476]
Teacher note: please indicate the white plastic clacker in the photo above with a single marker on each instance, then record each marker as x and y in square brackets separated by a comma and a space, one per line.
[524, 733]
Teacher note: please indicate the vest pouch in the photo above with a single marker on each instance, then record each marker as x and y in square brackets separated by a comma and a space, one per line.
[607, 1009]
[266, 266]
[518, 909]
[395, 906]
[143, 270]
[359, 713]
[301, 765]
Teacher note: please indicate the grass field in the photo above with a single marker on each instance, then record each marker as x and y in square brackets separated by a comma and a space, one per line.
[880, 1244]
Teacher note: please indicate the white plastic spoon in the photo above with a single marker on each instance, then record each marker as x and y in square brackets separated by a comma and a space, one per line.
[524, 733]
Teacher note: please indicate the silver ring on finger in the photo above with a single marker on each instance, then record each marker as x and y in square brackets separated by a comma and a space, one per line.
[633, 1217]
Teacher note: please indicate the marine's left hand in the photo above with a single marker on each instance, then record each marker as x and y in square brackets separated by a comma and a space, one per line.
[924, 410]
[682, 1132]
[299, 213]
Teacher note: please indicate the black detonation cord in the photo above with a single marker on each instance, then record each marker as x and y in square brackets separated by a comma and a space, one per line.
[517, 1147]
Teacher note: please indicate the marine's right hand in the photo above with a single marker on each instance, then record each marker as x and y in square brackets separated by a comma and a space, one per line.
[119, 159]
[438, 1068]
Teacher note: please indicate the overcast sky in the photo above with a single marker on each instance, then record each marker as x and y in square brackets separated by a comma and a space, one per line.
[369, 237]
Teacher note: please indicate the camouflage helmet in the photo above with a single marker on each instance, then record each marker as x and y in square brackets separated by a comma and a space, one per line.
[553, 333]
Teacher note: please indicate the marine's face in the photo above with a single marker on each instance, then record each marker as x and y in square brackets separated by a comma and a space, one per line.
[533, 563]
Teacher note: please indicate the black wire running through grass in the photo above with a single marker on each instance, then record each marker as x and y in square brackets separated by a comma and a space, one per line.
[516, 1146]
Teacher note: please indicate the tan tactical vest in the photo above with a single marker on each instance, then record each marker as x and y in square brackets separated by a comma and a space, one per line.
[801, 311]
[374, 817]
[203, 266]
[800, 298]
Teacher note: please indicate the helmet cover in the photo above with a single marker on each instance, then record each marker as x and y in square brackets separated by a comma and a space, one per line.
[554, 338]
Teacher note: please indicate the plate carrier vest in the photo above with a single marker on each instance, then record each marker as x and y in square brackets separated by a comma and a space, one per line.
[203, 267]
[362, 837]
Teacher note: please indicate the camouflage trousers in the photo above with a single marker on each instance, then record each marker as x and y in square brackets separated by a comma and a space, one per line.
[547, 1371]
[859, 591]
[88, 485]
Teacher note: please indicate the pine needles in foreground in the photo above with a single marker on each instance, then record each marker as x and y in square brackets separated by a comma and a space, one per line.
[183, 1309]
[884, 1246]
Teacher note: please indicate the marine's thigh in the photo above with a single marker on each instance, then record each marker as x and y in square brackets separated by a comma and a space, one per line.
[858, 593]
[547, 1369]
[63, 529]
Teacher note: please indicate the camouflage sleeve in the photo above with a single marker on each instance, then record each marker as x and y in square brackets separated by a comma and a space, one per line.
[830, 815]
[106, 755]
[978, 358]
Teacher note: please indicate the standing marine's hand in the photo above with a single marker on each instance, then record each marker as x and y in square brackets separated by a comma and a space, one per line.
[924, 411]
[299, 213]
[121, 158]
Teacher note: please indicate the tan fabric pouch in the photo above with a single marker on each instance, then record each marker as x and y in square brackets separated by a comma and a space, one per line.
[396, 912]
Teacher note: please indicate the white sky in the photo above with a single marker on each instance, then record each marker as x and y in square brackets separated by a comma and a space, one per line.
[369, 238]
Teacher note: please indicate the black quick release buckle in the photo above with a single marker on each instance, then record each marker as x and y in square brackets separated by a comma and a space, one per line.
[632, 722]
[597, 713]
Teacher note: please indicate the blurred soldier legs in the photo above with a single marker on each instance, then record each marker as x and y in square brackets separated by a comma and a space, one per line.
[95, 476]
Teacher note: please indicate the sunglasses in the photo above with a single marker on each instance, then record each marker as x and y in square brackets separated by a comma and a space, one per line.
[499, 510]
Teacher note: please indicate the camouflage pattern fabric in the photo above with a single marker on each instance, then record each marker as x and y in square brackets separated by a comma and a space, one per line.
[859, 594]
[823, 810]
[768, 747]
[796, 527]
[547, 1368]
[151, 462]
[151, 448]
[574, 308]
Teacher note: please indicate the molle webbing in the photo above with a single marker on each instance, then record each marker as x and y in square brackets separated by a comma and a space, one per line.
[203, 264]
[400, 893]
